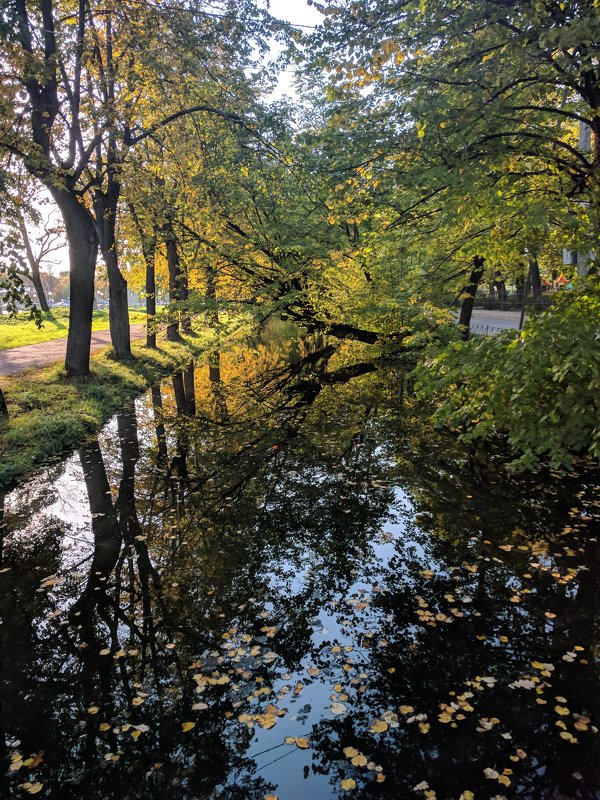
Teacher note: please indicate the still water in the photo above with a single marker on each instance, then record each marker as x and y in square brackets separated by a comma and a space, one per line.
[272, 578]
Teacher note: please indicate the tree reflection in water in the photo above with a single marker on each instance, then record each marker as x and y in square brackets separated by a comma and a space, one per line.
[270, 547]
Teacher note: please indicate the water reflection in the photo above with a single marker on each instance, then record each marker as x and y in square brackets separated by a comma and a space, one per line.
[272, 577]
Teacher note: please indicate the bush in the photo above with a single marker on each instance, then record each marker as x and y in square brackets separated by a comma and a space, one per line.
[540, 389]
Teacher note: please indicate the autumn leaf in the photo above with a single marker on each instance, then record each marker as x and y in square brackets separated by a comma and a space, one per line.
[348, 784]
[188, 726]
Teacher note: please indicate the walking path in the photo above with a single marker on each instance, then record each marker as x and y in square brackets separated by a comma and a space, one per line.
[495, 319]
[31, 356]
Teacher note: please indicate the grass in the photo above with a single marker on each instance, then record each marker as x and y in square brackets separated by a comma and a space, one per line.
[50, 414]
[20, 330]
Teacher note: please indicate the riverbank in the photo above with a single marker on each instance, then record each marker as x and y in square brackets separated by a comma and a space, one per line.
[50, 415]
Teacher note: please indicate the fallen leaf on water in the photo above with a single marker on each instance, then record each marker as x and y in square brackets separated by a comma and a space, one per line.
[467, 795]
[271, 797]
[359, 761]
[302, 742]
[350, 752]
[338, 708]
[424, 727]
[188, 726]
[348, 784]
[378, 726]
[32, 788]
[199, 707]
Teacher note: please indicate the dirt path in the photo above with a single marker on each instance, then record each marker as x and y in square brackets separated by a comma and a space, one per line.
[31, 356]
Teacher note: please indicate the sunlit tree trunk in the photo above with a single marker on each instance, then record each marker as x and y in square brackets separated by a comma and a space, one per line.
[469, 291]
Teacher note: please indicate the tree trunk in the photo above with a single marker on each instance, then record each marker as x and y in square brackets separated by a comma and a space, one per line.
[536, 283]
[148, 249]
[174, 280]
[105, 206]
[34, 266]
[83, 252]
[469, 292]
[3, 405]
[184, 294]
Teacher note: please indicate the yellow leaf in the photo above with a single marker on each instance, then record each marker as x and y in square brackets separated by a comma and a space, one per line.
[104, 726]
[302, 742]
[338, 708]
[378, 726]
[33, 788]
[467, 795]
[137, 701]
[350, 752]
[504, 780]
[424, 727]
[93, 710]
[406, 709]
[348, 784]
[188, 726]
[359, 761]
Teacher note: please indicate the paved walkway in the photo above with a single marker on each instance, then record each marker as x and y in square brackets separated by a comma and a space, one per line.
[32, 356]
[495, 319]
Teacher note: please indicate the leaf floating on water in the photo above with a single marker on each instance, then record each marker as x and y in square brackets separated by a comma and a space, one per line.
[199, 707]
[406, 709]
[359, 760]
[467, 795]
[32, 788]
[338, 708]
[424, 727]
[188, 726]
[350, 752]
[378, 726]
[104, 726]
[302, 743]
[137, 701]
[348, 784]
[93, 710]
[271, 797]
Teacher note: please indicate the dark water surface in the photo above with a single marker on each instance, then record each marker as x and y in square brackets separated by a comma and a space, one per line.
[273, 578]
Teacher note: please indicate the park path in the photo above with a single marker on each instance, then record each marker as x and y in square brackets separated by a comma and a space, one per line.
[32, 356]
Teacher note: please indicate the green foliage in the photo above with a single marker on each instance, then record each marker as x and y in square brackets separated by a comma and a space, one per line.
[539, 389]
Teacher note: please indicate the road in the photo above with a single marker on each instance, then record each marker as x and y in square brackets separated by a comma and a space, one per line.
[493, 320]
[33, 356]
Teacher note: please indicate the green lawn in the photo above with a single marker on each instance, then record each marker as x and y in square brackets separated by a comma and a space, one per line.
[15, 332]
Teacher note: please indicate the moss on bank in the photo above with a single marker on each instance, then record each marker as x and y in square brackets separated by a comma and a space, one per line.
[50, 414]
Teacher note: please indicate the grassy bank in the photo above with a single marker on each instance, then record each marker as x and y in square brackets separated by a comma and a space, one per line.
[49, 415]
[20, 330]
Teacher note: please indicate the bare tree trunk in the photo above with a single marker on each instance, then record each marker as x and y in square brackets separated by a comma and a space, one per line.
[83, 252]
[469, 292]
